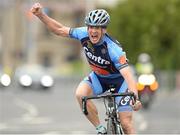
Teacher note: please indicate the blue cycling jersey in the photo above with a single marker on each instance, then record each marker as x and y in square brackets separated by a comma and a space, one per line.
[105, 58]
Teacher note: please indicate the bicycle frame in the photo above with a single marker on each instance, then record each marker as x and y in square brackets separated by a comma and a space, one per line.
[113, 123]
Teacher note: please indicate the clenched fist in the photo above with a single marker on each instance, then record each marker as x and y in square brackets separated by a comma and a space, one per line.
[137, 105]
[36, 9]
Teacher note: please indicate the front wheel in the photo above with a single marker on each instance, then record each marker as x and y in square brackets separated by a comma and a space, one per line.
[119, 129]
[111, 129]
[114, 127]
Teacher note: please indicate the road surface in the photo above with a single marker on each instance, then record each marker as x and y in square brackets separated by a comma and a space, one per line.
[55, 111]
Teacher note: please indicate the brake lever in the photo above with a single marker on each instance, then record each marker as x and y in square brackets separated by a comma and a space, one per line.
[133, 98]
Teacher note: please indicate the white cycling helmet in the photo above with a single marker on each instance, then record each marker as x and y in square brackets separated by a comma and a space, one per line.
[144, 58]
[98, 17]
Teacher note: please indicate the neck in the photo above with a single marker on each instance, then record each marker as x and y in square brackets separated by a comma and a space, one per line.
[100, 41]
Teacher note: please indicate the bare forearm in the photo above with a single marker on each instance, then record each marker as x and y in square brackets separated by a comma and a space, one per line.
[131, 84]
[50, 23]
[126, 73]
[54, 26]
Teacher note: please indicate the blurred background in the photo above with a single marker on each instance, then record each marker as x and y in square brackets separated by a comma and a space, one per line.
[40, 71]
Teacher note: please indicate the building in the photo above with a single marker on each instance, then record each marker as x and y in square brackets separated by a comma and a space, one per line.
[25, 40]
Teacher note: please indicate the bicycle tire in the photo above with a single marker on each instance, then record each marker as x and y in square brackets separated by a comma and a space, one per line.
[119, 129]
[111, 127]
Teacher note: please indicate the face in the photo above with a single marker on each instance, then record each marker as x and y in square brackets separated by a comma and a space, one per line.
[95, 33]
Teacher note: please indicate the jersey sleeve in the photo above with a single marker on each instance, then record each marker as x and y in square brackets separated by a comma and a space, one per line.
[118, 56]
[78, 33]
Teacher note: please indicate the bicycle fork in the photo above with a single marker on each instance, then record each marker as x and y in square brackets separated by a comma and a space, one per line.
[113, 118]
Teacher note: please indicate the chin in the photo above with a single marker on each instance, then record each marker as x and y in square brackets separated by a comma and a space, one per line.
[94, 42]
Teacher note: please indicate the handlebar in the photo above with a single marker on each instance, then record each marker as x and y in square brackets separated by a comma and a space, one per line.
[104, 95]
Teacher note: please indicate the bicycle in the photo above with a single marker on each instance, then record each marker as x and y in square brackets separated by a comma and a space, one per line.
[113, 122]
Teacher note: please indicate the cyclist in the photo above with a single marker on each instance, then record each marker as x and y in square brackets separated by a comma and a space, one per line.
[107, 60]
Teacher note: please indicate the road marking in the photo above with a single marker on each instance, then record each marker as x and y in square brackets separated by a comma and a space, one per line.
[31, 109]
[31, 114]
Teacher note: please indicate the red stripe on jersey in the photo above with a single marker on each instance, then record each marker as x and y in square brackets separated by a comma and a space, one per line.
[99, 70]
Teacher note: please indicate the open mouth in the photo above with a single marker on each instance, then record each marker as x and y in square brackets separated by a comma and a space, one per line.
[94, 37]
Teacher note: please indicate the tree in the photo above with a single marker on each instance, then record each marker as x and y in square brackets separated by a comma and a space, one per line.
[151, 26]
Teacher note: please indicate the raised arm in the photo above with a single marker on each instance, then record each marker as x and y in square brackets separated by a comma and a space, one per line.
[54, 26]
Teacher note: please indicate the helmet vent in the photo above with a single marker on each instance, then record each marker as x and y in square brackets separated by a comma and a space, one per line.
[103, 21]
[94, 17]
[103, 16]
[97, 20]
[89, 20]
[99, 14]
